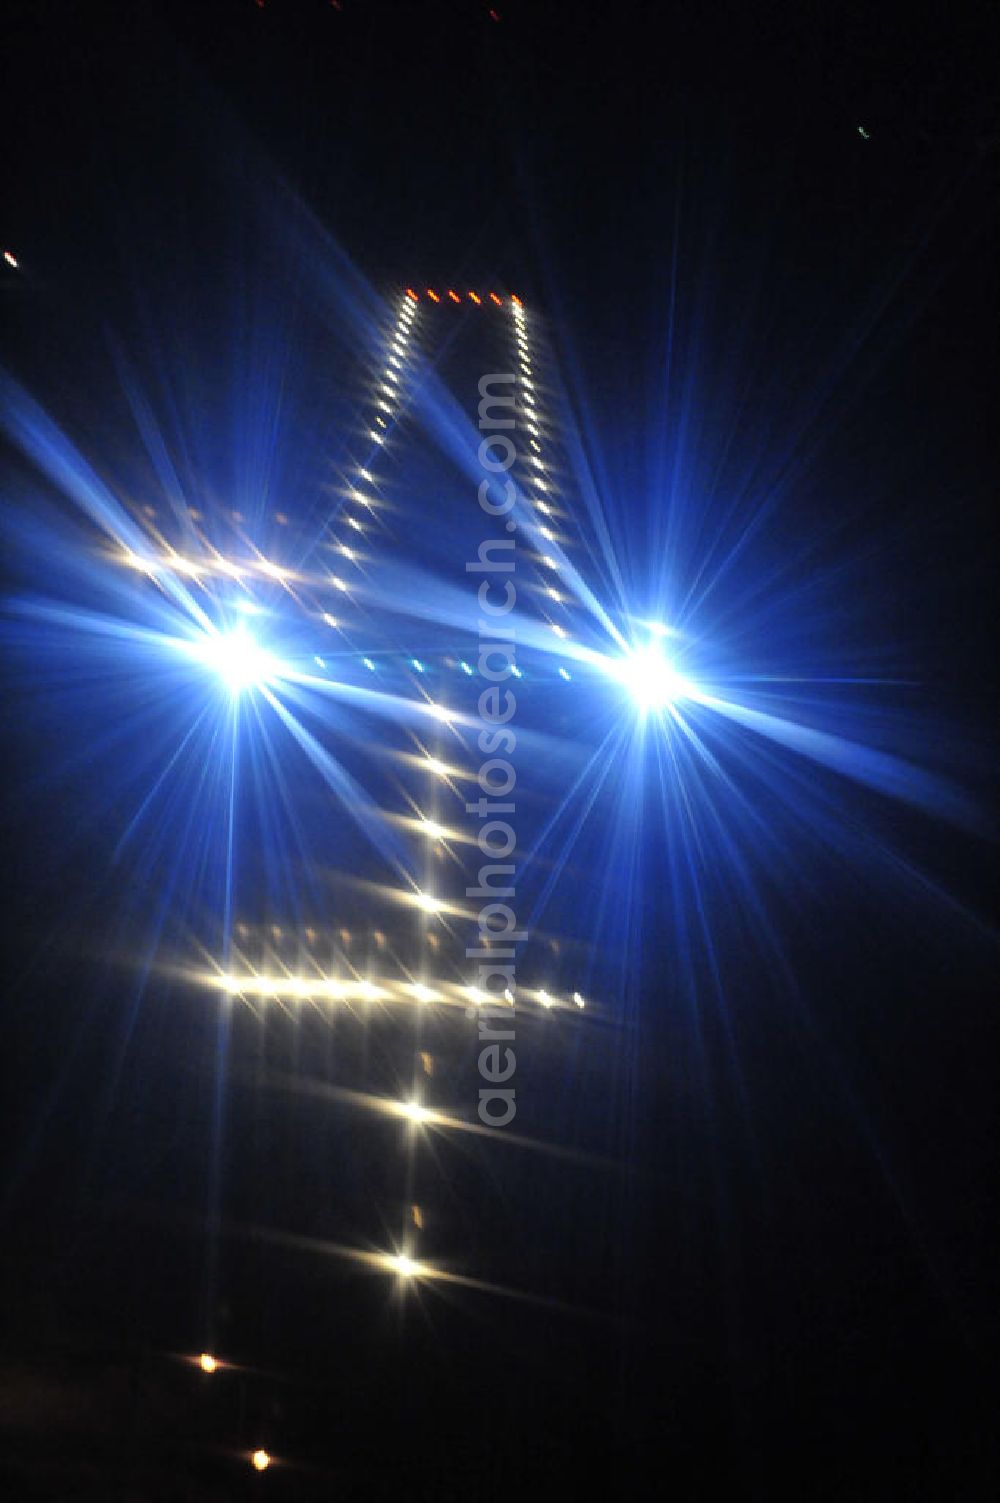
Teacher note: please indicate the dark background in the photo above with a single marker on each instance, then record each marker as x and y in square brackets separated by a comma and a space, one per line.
[789, 1269]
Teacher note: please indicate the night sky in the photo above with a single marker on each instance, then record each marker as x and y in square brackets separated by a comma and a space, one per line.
[745, 1244]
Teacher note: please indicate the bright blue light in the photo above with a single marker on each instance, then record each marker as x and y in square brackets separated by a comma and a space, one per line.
[650, 678]
[238, 659]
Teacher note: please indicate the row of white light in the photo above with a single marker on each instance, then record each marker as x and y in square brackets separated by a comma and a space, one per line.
[538, 482]
[212, 564]
[388, 400]
[318, 987]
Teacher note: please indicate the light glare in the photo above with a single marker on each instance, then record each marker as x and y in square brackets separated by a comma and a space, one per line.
[651, 678]
[238, 659]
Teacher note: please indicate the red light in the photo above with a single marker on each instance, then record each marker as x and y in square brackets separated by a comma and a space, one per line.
[410, 293]
[433, 295]
[475, 298]
[495, 299]
[454, 296]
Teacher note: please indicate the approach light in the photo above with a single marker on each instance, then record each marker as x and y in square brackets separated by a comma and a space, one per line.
[651, 678]
[260, 1460]
[208, 1363]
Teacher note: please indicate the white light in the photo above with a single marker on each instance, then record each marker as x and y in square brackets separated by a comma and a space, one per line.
[650, 678]
[404, 1266]
[238, 659]
[578, 1000]
[545, 999]
[432, 830]
[428, 903]
[414, 1111]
